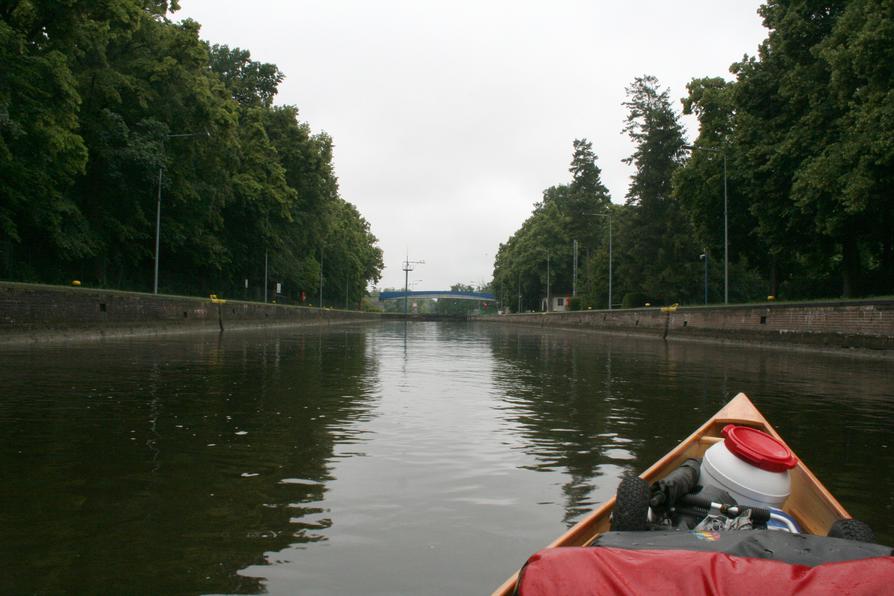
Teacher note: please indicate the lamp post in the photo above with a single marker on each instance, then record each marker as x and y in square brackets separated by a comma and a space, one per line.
[609, 216]
[704, 257]
[547, 281]
[725, 219]
[158, 204]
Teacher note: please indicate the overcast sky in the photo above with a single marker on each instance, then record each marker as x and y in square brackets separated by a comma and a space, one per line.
[451, 118]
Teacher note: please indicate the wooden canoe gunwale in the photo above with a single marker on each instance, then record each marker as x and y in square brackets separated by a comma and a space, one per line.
[810, 503]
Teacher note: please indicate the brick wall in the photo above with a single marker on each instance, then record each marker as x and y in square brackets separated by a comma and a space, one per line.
[857, 324]
[30, 311]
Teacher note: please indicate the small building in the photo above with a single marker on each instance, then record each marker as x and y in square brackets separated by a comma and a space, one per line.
[558, 303]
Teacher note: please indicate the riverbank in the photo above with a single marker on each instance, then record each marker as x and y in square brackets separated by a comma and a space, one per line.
[33, 312]
[840, 325]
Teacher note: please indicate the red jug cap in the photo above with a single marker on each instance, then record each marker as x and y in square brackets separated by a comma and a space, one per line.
[758, 448]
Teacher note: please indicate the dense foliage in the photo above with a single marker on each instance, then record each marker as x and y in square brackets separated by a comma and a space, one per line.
[543, 248]
[807, 133]
[104, 105]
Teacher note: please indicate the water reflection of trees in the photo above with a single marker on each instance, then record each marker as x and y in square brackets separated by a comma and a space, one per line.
[171, 465]
[594, 405]
[570, 411]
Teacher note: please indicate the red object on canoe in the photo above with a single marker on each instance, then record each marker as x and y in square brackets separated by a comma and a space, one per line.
[578, 571]
[758, 448]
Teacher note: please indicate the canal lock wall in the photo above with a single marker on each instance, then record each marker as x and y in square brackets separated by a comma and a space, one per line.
[864, 325]
[31, 312]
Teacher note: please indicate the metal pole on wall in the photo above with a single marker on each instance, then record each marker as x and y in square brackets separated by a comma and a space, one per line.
[157, 231]
[519, 293]
[609, 216]
[547, 281]
[321, 278]
[265, 276]
[725, 219]
[574, 263]
[609, 261]
[705, 257]
[725, 238]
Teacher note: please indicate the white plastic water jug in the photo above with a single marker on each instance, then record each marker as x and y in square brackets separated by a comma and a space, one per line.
[750, 465]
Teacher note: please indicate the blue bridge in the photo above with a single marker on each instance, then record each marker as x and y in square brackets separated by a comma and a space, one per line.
[438, 294]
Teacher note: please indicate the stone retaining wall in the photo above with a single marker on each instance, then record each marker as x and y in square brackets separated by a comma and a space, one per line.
[30, 312]
[857, 324]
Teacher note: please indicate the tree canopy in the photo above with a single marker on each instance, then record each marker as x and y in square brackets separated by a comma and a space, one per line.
[105, 108]
[800, 147]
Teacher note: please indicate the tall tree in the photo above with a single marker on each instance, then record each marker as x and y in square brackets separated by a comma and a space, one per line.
[41, 151]
[658, 258]
[795, 128]
[568, 212]
[853, 174]
[105, 107]
[700, 187]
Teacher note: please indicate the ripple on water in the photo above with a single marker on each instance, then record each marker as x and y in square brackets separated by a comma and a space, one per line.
[301, 481]
[406, 459]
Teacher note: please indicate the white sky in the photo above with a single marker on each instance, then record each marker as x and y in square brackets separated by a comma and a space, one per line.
[450, 118]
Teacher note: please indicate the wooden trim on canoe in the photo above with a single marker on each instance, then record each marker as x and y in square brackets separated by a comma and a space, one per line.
[810, 503]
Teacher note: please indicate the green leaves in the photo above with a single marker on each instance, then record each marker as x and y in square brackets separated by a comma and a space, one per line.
[567, 213]
[98, 100]
[252, 84]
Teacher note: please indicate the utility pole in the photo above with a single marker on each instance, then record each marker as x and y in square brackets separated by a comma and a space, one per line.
[725, 237]
[408, 266]
[609, 217]
[157, 231]
[704, 257]
[547, 281]
[725, 218]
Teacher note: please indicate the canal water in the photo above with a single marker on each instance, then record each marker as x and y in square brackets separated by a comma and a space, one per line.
[401, 458]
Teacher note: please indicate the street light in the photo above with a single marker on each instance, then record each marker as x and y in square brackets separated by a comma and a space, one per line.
[704, 257]
[547, 281]
[609, 216]
[725, 219]
[158, 204]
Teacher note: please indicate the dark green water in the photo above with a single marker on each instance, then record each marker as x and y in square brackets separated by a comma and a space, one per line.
[421, 459]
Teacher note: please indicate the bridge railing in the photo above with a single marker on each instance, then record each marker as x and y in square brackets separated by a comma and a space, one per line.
[439, 294]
